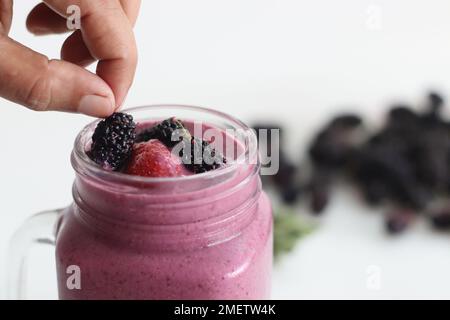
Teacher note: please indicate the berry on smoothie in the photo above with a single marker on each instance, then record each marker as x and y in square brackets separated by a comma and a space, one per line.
[112, 141]
[154, 159]
[117, 145]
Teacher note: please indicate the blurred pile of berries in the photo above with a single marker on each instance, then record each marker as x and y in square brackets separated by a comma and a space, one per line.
[404, 166]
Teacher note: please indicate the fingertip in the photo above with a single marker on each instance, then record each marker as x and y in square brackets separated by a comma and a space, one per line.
[96, 106]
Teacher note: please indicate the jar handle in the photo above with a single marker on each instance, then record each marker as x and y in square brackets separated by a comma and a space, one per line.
[41, 228]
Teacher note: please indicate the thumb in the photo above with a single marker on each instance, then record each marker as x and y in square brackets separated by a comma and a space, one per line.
[30, 79]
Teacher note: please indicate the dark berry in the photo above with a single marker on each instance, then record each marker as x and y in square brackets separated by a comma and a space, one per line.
[328, 149]
[320, 189]
[429, 154]
[441, 220]
[403, 117]
[287, 171]
[286, 179]
[290, 193]
[334, 144]
[154, 159]
[112, 141]
[386, 164]
[399, 220]
[202, 157]
[319, 200]
[375, 191]
[170, 132]
[433, 110]
[436, 101]
[348, 120]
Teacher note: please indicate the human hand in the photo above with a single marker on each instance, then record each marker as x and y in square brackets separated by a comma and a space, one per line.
[31, 79]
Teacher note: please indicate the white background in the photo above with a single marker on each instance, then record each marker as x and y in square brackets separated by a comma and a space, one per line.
[291, 60]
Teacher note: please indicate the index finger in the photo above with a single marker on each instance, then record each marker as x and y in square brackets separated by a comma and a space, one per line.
[109, 37]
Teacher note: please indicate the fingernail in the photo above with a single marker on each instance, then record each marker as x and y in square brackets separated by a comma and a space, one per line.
[96, 106]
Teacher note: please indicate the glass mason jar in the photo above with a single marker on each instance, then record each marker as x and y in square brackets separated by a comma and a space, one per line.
[204, 236]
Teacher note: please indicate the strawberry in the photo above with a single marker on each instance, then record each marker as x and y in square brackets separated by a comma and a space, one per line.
[154, 159]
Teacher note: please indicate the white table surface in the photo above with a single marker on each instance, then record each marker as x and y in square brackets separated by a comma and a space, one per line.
[294, 61]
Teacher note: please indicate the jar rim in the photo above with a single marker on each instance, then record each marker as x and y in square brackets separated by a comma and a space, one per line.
[85, 166]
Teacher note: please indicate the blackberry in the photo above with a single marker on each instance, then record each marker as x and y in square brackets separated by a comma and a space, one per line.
[430, 157]
[375, 191]
[403, 118]
[433, 110]
[399, 220]
[112, 141]
[441, 220]
[290, 193]
[170, 132]
[334, 144]
[385, 164]
[346, 120]
[202, 158]
[287, 171]
[286, 179]
[436, 101]
[319, 188]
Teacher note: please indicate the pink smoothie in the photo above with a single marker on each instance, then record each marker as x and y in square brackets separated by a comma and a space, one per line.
[206, 236]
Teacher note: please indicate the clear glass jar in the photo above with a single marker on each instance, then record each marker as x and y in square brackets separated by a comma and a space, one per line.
[205, 236]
